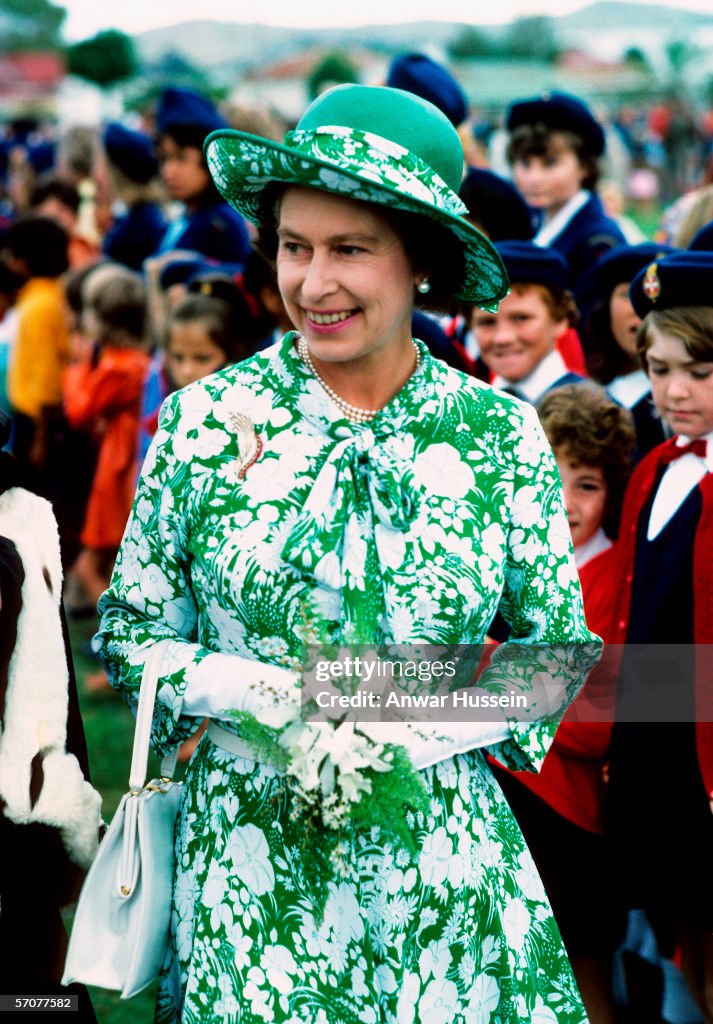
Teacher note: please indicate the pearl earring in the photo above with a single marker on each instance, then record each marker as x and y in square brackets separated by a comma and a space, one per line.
[423, 286]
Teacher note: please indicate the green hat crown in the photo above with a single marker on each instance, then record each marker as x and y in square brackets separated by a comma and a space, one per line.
[401, 117]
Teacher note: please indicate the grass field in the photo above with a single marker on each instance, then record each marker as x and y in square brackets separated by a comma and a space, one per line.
[109, 728]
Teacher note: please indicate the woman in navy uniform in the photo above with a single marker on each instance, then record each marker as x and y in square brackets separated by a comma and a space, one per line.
[206, 224]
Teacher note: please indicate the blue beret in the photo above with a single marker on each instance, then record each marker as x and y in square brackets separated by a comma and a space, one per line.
[527, 263]
[560, 112]
[703, 239]
[622, 263]
[42, 156]
[131, 152]
[418, 74]
[185, 107]
[683, 278]
[184, 267]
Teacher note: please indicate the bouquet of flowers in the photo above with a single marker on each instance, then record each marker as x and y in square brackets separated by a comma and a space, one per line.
[342, 781]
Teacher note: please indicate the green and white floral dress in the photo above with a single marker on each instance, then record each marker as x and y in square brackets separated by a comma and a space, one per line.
[424, 522]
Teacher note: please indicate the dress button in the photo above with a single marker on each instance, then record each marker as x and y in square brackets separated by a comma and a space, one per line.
[622, 623]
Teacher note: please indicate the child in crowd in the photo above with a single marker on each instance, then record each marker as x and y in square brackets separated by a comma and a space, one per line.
[661, 769]
[560, 810]
[610, 332]
[102, 393]
[212, 325]
[554, 147]
[518, 343]
[36, 250]
[138, 223]
[206, 224]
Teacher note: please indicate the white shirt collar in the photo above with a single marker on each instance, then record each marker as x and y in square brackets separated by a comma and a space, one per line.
[630, 388]
[584, 553]
[532, 388]
[552, 228]
[678, 480]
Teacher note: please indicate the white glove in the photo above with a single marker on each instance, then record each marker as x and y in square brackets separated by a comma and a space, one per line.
[222, 683]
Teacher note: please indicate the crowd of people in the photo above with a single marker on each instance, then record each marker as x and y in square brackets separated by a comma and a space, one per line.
[502, 328]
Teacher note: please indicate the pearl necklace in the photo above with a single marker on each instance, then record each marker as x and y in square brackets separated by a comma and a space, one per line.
[351, 412]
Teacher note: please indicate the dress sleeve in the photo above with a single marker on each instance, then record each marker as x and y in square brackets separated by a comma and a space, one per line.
[550, 650]
[150, 597]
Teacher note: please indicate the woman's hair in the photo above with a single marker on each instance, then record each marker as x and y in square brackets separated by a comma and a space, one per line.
[699, 213]
[585, 426]
[605, 358]
[218, 303]
[536, 139]
[117, 298]
[432, 249]
[692, 325]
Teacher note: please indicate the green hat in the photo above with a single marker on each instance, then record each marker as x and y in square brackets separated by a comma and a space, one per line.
[371, 143]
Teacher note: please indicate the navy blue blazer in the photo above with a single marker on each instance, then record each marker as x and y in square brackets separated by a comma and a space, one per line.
[582, 242]
[135, 235]
[217, 231]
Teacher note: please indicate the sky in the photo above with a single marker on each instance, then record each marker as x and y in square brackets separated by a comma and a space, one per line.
[87, 17]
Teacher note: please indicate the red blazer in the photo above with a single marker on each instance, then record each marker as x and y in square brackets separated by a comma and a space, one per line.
[637, 492]
[571, 780]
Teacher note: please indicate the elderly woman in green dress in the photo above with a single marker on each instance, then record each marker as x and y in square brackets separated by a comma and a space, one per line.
[348, 478]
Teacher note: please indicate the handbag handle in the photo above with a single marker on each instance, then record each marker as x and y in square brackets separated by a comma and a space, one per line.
[144, 717]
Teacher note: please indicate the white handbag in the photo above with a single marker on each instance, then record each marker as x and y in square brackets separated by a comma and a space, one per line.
[120, 932]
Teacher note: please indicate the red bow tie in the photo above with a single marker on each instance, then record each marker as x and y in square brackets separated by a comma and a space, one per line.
[697, 447]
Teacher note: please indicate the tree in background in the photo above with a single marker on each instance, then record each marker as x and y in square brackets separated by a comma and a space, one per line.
[106, 59]
[470, 42]
[532, 37]
[30, 25]
[335, 68]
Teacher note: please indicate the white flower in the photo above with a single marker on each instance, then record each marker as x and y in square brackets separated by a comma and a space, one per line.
[559, 537]
[250, 855]
[526, 506]
[216, 884]
[492, 541]
[242, 944]
[483, 999]
[435, 857]
[408, 994]
[440, 470]
[278, 964]
[516, 923]
[542, 1014]
[527, 878]
[342, 913]
[439, 1002]
[435, 960]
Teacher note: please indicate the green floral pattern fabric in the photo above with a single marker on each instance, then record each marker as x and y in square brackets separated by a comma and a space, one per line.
[417, 526]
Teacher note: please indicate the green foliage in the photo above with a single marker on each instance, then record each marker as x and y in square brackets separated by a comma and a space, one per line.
[30, 25]
[106, 59]
[335, 68]
[471, 42]
[636, 57]
[531, 37]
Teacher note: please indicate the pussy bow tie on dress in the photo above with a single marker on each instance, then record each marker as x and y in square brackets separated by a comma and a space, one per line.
[697, 447]
[364, 492]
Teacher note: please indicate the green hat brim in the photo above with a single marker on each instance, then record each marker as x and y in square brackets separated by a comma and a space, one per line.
[243, 165]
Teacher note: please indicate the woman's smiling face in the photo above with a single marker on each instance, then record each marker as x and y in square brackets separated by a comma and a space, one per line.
[344, 275]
